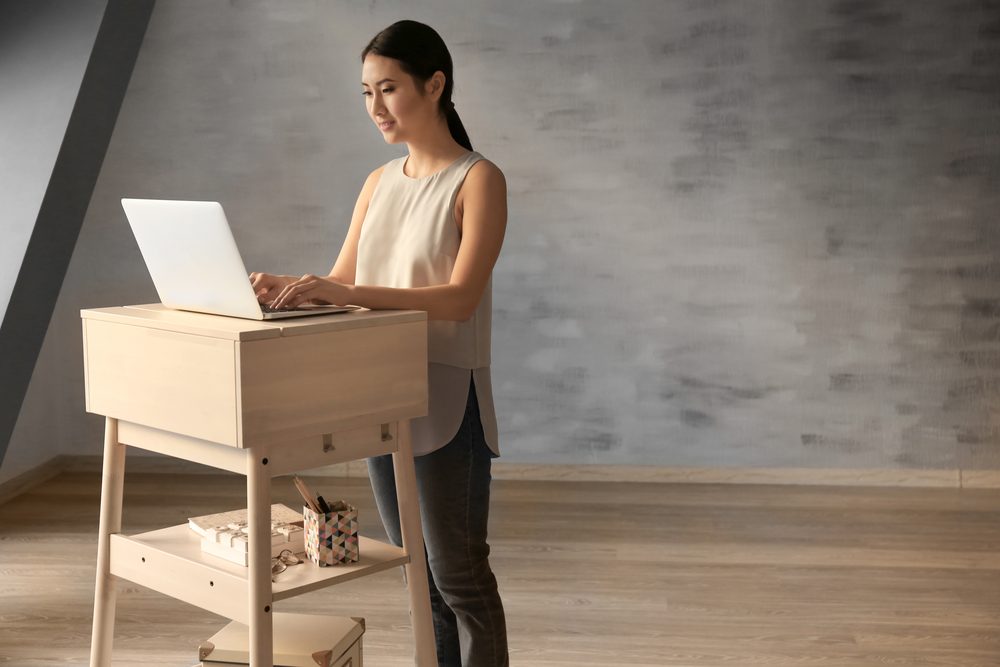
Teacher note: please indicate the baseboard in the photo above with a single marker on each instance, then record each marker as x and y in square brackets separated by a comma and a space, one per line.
[980, 479]
[159, 463]
[15, 486]
[552, 472]
[683, 475]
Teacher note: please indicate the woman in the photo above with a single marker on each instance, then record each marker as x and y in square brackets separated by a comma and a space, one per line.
[425, 235]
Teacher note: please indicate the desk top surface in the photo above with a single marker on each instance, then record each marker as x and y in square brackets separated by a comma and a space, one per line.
[158, 316]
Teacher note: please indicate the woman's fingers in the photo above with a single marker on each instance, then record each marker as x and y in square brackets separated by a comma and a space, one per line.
[259, 289]
[293, 294]
[265, 286]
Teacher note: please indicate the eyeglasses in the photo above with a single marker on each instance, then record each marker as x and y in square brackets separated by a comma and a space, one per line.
[281, 562]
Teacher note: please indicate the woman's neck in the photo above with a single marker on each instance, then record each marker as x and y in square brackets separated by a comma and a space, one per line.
[433, 154]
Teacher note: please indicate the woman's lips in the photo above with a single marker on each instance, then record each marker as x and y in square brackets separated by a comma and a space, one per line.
[385, 126]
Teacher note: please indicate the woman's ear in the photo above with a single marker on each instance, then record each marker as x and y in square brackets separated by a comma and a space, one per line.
[435, 85]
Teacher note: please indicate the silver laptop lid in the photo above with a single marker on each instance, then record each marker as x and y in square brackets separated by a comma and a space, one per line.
[192, 256]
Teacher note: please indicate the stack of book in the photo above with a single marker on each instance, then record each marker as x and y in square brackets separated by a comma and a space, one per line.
[225, 534]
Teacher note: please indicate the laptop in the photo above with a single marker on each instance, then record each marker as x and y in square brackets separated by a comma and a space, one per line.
[194, 263]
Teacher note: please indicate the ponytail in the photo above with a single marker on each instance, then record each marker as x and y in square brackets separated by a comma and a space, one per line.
[456, 127]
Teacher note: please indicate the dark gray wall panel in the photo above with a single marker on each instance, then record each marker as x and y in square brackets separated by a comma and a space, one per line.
[44, 48]
[64, 78]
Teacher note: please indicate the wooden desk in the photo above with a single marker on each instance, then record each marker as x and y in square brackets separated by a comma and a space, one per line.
[261, 399]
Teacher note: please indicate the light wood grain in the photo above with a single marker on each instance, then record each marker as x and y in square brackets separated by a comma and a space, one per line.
[157, 316]
[652, 575]
[981, 479]
[199, 376]
[170, 560]
[412, 536]
[110, 522]
[258, 485]
[326, 450]
[338, 375]
[746, 475]
[177, 382]
[320, 395]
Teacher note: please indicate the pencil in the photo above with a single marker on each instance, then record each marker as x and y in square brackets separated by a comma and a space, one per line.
[306, 494]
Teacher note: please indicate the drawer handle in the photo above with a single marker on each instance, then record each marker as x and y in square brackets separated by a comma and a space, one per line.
[328, 443]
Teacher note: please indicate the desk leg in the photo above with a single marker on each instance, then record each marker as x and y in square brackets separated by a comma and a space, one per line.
[259, 515]
[105, 594]
[413, 543]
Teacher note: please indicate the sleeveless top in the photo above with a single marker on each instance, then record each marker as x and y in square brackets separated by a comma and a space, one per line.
[410, 238]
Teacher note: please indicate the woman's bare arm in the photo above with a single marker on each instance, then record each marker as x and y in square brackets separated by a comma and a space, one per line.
[345, 267]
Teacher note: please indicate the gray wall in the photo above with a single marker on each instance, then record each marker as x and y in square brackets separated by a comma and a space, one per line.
[741, 233]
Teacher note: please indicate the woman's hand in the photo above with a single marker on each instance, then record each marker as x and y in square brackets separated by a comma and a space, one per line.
[312, 289]
[267, 286]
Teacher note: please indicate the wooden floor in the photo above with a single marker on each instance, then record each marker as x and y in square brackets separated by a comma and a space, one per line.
[591, 574]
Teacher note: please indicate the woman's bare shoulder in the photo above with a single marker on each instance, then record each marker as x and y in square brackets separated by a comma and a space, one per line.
[484, 173]
[373, 178]
[484, 166]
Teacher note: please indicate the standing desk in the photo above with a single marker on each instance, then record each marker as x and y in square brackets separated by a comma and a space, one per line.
[260, 399]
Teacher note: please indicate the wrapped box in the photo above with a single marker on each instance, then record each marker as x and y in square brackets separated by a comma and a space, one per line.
[300, 640]
[332, 538]
[226, 534]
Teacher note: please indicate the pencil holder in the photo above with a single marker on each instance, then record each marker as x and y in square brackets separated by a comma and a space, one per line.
[332, 538]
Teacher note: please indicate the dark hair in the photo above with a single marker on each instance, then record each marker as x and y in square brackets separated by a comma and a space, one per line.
[421, 52]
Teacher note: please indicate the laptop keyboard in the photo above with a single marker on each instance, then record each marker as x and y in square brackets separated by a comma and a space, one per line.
[268, 309]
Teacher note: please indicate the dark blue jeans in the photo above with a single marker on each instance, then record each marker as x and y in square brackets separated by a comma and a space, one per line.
[454, 488]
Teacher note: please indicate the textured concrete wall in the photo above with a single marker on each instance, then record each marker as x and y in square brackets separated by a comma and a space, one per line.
[741, 233]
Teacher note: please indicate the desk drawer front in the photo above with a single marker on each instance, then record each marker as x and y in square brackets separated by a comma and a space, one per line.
[173, 381]
[301, 385]
[329, 449]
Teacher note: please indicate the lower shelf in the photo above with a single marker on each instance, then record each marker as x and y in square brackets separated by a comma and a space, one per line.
[170, 561]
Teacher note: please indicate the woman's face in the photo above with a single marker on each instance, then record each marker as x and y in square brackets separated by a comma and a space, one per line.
[394, 103]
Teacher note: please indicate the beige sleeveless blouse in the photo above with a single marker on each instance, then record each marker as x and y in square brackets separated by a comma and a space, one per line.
[410, 238]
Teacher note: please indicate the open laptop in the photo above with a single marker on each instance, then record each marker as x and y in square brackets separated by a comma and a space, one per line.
[194, 263]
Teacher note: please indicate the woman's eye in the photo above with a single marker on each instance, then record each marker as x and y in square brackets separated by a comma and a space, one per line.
[387, 90]
[365, 92]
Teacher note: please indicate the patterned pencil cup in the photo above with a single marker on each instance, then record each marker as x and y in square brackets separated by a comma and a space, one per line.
[332, 538]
